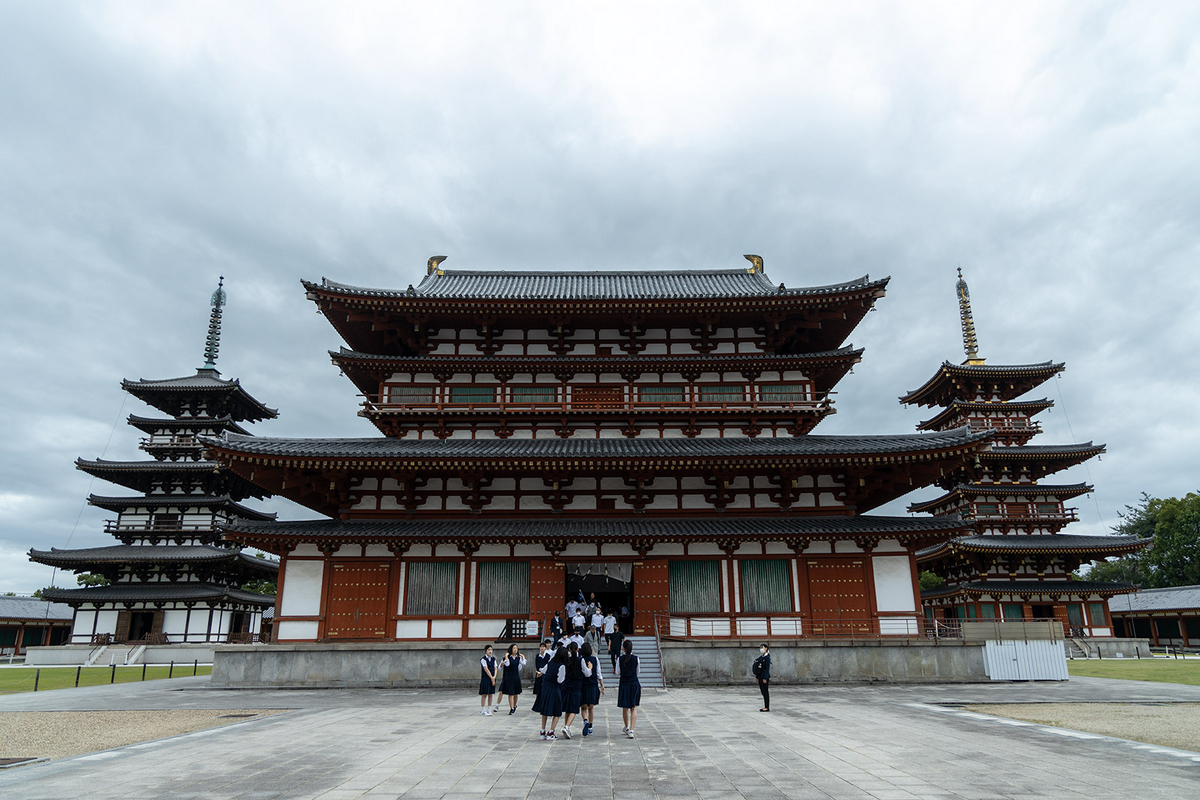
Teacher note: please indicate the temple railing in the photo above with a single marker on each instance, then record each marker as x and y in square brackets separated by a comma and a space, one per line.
[111, 526]
[789, 626]
[375, 405]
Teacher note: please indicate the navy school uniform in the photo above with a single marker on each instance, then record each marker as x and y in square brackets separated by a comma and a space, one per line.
[487, 668]
[551, 696]
[629, 688]
[539, 664]
[510, 678]
[591, 683]
[572, 686]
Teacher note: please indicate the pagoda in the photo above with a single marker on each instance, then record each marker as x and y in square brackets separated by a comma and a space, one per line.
[642, 434]
[1015, 563]
[173, 579]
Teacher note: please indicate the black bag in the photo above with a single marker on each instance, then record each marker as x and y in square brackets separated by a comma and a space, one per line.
[757, 666]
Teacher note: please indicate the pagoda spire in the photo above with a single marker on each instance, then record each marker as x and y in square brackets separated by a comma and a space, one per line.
[213, 343]
[970, 343]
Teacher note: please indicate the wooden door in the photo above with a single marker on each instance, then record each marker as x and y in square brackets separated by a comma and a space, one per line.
[651, 595]
[358, 600]
[547, 589]
[841, 606]
[597, 397]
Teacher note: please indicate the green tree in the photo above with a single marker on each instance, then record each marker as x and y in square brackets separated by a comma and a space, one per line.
[91, 579]
[260, 586]
[1172, 559]
[929, 580]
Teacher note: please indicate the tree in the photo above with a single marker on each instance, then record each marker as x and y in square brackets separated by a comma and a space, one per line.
[260, 586]
[1172, 559]
[91, 579]
[929, 580]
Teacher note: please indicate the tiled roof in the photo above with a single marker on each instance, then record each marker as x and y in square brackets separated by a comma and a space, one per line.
[809, 445]
[177, 501]
[940, 389]
[563, 285]
[204, 381]
[1024, 588]
[151, 424]
[732, 360]
[141, 554]
[31, 608]
[145, 476]
[1022, 490]
[955, 409]
[1036, 543]
[599, 528]
[1042, 450]
[157, 592]
[1174, 598]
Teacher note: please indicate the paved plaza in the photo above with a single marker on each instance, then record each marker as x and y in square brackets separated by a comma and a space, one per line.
[884, 742]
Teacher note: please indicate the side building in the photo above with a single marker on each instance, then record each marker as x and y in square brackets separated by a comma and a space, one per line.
[172, 579]
[1015, 562]
[644, 435]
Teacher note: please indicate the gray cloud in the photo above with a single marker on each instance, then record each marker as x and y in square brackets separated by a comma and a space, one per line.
[1048, 148]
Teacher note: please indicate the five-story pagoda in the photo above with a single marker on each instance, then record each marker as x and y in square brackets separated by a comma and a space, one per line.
[649, 430]
[173, 579]
[1015, 563]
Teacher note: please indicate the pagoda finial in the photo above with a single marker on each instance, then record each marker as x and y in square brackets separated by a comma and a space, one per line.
[756, 261]
[213, 343]
[433, 264]
[970, 343]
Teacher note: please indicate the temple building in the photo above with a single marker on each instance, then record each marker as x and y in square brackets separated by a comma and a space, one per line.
[645, 435]
[173, 579]
[1015, 562]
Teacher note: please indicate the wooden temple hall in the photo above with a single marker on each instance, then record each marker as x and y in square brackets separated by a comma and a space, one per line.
[643, 435]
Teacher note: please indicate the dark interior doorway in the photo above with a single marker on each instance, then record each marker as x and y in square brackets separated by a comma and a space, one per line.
[1042, 612]
[140, 624]
[611, 592]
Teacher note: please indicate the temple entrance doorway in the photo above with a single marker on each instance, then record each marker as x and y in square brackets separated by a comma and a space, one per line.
[611, 583]
[140, 625]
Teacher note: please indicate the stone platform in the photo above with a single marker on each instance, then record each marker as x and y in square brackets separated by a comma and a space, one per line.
[456, 664]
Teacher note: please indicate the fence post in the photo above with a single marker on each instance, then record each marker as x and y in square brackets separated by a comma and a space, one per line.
[78, 670]
[143, 672]
[171, 671]
[113, 678]
[37, 676]
[195, 666]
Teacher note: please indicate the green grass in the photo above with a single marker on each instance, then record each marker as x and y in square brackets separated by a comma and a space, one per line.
[21, 679]
[1161, 670]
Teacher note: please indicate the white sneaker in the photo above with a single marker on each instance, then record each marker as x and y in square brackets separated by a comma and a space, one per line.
[487, 713]
[566, 732]
[629, 733]
[483, 712]
[624, 729]
[543, 735]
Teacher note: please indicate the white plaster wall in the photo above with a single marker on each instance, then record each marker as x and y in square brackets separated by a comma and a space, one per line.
[893, 583]
[174, 625]
[83, 625]
[302, 588]
[296, 630]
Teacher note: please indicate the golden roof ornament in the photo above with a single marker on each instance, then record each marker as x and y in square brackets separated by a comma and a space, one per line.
[432, 266]
[757, 262]
[970, 343]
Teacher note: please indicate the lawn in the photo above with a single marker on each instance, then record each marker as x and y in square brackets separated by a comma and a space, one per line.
[21, 679]
[1162, 670]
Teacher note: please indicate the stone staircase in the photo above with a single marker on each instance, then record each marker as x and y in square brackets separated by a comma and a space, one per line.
[1077, 648]
[646, 649]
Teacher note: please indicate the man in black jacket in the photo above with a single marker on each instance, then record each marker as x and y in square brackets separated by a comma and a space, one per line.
[614, 647]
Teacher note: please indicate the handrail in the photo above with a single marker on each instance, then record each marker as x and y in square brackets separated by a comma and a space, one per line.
[662, 667]
[112, 526]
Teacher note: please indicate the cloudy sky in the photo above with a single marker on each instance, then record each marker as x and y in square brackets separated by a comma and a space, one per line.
[1050, 149]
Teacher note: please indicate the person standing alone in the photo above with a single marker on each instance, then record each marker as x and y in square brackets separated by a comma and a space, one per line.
[762, 672]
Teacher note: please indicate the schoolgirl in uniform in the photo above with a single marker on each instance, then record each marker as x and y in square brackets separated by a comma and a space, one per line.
[510, 682]
[593, 687]
[629, 688]
[572, 688]
[487, 681]
[539, 663]
[556, 673]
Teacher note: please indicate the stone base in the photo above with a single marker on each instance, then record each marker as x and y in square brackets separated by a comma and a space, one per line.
[902, 661]
[73, 654]
[456, 664]
[1112, 647]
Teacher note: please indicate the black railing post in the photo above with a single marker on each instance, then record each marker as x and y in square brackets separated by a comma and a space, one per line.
[37, 677]
[195, 667]
[78, 670]
[171, 671]
[143, 672]
[113, 678]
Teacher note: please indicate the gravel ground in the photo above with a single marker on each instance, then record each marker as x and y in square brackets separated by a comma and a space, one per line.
[58, 734]
[1170, 724]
